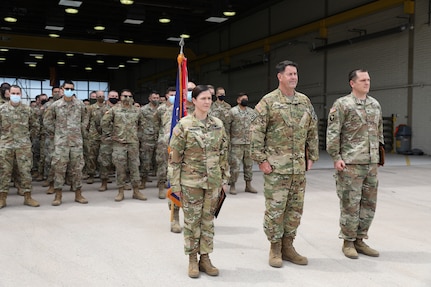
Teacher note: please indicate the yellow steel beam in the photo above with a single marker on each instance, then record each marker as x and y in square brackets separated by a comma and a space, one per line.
[82, 46]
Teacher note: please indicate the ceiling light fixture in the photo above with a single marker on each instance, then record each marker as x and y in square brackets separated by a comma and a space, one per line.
[37, 56]
[99, 28]
[110, 40]
[121, 66]
[70, 55]
[70, 10]
[4, 50]
[32, 65]
[61, 62]
[70, 3]
[216, 19]
[164, 19]
[10, 19]
[88, 68]
[54, 28]
[229, 13]
[100, 61]
[174, 39]
[128, 41]
[2, 59]
[185, 36]
[133, 21]
[53, 35]
[126, 2]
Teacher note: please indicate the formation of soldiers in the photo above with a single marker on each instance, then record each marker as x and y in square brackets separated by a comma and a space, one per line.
[72, 140]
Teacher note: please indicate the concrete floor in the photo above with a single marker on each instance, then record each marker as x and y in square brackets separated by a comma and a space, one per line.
[105, 243]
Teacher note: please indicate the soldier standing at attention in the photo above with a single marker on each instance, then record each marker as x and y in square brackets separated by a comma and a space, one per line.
[66, 119]
[220, 109]
[238, 131]
[17, 121]
[286, 125]
[95, 113]
[121, 123]
[148, 142]
[105, 151]
[355, 130]
[198, 170]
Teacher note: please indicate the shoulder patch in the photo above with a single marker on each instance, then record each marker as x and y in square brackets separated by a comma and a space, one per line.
[332, 110]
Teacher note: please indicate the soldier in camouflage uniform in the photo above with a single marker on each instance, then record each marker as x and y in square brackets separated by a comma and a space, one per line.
[57, 93]
[220, 109]
[95, 112]
[198, 168]
[17, 121]
[355, 130]
[149, 137]
[285, 127]
[162, 119]
[104, 159]
[121, 124]
[66, 120]
[238, 131]
[189, 104]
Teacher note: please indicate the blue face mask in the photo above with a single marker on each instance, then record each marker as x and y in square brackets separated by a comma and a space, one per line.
[15, 99]
[68, 93]
[189, 96]
[172, 99]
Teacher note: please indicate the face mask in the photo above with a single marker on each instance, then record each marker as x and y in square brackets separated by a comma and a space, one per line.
[15, 99]
[113, 101]
[221, 98]
[56, 96]
[189, 96]
[128, 101]
[93, 101]
[172, 99]
[69, 93]
[43, 102]
[100, 100]
[156, 103]
[244, 103]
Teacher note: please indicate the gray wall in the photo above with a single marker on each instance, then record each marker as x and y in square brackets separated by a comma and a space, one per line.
[323, 74]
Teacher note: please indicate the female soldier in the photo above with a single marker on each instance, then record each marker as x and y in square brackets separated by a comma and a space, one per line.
[198, 169]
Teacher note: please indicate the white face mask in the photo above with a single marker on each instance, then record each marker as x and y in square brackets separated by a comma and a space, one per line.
[172, 99]
[15, 98]
[189, 96]
[68, 93]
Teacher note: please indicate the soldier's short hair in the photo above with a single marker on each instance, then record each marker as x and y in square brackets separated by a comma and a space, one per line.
[67, 82]
[241, 94]
[354, 73]
[283, 64]
[199, 89]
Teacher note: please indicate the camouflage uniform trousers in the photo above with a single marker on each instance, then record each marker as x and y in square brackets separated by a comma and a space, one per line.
[93, 154]
[18, 162]
[70, 161]
[146, 153]
[162, 162]
[85, 152]
[41, 166]
[105, 159]
[284, 202]
[126, 158]
[198, 206]
[35, 149]
[240, 153]
[49, 151]
[357, 191]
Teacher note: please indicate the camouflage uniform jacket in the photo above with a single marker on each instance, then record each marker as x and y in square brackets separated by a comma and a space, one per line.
[238, 125]
[355, 130]
[149, 131]
[220, 110]
[66, 121]
[17, 125]
[199, 154]
[96, 113]
[122, 124]
[284, 126]
[163, 122]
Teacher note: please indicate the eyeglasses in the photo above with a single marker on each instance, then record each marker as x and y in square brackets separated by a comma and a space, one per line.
[69, 89]
[127, 96]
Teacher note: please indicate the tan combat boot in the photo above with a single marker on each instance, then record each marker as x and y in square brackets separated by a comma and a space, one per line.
[39, 177]
[30, 201]
[90, 179]
[51, 188]
[3, 196]
[349, 250]
[275, 255]
[137, 194]
[206, 266]
[362, 247]
[249, 188]
[175, 225]
[193, 266]
[45, 183]
[120, 195]
[162, 193]
[232, 189]
[57, 199]
[104, 185]
[79, 198]
[289, 253]
[143, 182]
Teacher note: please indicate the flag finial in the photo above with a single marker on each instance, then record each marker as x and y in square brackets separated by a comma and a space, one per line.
[181, 45]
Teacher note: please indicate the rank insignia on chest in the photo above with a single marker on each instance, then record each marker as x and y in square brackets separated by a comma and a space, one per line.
[331, 117]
